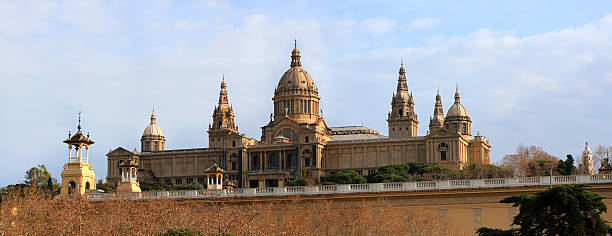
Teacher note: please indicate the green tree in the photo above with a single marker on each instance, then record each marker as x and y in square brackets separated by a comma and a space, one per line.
[39, 176]
[348, 177]
[566, 167]
[561, 210]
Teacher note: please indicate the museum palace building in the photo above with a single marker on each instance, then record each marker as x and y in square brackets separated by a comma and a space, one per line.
[297, 143]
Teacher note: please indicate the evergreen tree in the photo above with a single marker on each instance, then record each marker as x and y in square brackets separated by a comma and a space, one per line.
[562, 210]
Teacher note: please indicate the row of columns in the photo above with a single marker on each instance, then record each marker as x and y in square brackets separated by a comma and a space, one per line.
[79, 153]
[284, 162]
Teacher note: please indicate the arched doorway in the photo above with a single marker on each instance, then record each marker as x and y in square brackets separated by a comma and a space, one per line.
[87, 186]
[71, 187]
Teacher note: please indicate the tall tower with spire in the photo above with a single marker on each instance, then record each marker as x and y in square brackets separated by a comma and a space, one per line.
[437, 120]
[223, 119]
[153, 138]
[402, 119]
[78, 175]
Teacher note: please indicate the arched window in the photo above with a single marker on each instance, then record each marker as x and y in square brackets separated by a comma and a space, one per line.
[233, 143]
[288, 133]
[87, 186]
[401, 112]
[274, 160]
[219, 126]
[255, 162]
[443, 148]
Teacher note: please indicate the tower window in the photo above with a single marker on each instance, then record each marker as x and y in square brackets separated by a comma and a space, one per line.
[400, 128]
[401, 112]
[306, 139]
[233, 165]
[233, 143]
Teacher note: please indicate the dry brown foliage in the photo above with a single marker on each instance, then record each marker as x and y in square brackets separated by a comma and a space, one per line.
[524, 161]
[37, 214]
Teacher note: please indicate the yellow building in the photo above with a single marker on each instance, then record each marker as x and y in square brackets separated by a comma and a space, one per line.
[296, 143]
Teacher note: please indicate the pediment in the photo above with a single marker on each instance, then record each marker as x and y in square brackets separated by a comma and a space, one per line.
[441, 132]
[119, 152]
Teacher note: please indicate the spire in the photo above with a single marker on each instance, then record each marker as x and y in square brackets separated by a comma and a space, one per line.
[295, 56]
[437, 121]
[457, 97]
[223, 92]
[79, 126]
[402, 86]
[153, 117]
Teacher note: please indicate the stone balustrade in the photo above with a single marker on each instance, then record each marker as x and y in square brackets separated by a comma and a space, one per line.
[360, 188]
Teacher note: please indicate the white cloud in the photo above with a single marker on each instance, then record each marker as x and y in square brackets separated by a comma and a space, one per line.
[378, 26]
[423, 23]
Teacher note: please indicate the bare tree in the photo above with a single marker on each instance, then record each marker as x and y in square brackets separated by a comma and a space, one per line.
[601, 152]
[529, 161]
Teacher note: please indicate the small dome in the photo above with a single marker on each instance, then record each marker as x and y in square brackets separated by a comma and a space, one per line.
[153, 129]
[457, 110]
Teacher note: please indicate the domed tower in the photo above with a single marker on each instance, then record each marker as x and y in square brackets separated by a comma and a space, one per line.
[296, 95]
[437, 120]
[402, 119]
[223, 120]
[78, 176]
[152, 138]
[457, 118]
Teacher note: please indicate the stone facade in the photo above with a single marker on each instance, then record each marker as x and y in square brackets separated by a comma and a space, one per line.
[296, 143]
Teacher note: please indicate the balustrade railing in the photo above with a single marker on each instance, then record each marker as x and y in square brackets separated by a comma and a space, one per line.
[356, 188]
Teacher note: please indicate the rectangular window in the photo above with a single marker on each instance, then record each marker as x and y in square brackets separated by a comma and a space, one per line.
[178, 181]
[189, 180]
[201, 181]
[371, 172]
[360, 172]
[253, 183]
[168, 182]
[306, 161]
[233, 165]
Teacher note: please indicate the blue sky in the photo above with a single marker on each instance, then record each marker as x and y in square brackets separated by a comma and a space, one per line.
[531, 72]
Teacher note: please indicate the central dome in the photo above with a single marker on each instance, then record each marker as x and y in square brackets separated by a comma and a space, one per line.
[296, 95]
[295, 80]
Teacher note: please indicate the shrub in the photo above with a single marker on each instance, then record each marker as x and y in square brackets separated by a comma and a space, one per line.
[181, 232]
[297, 182]
[348, 177]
